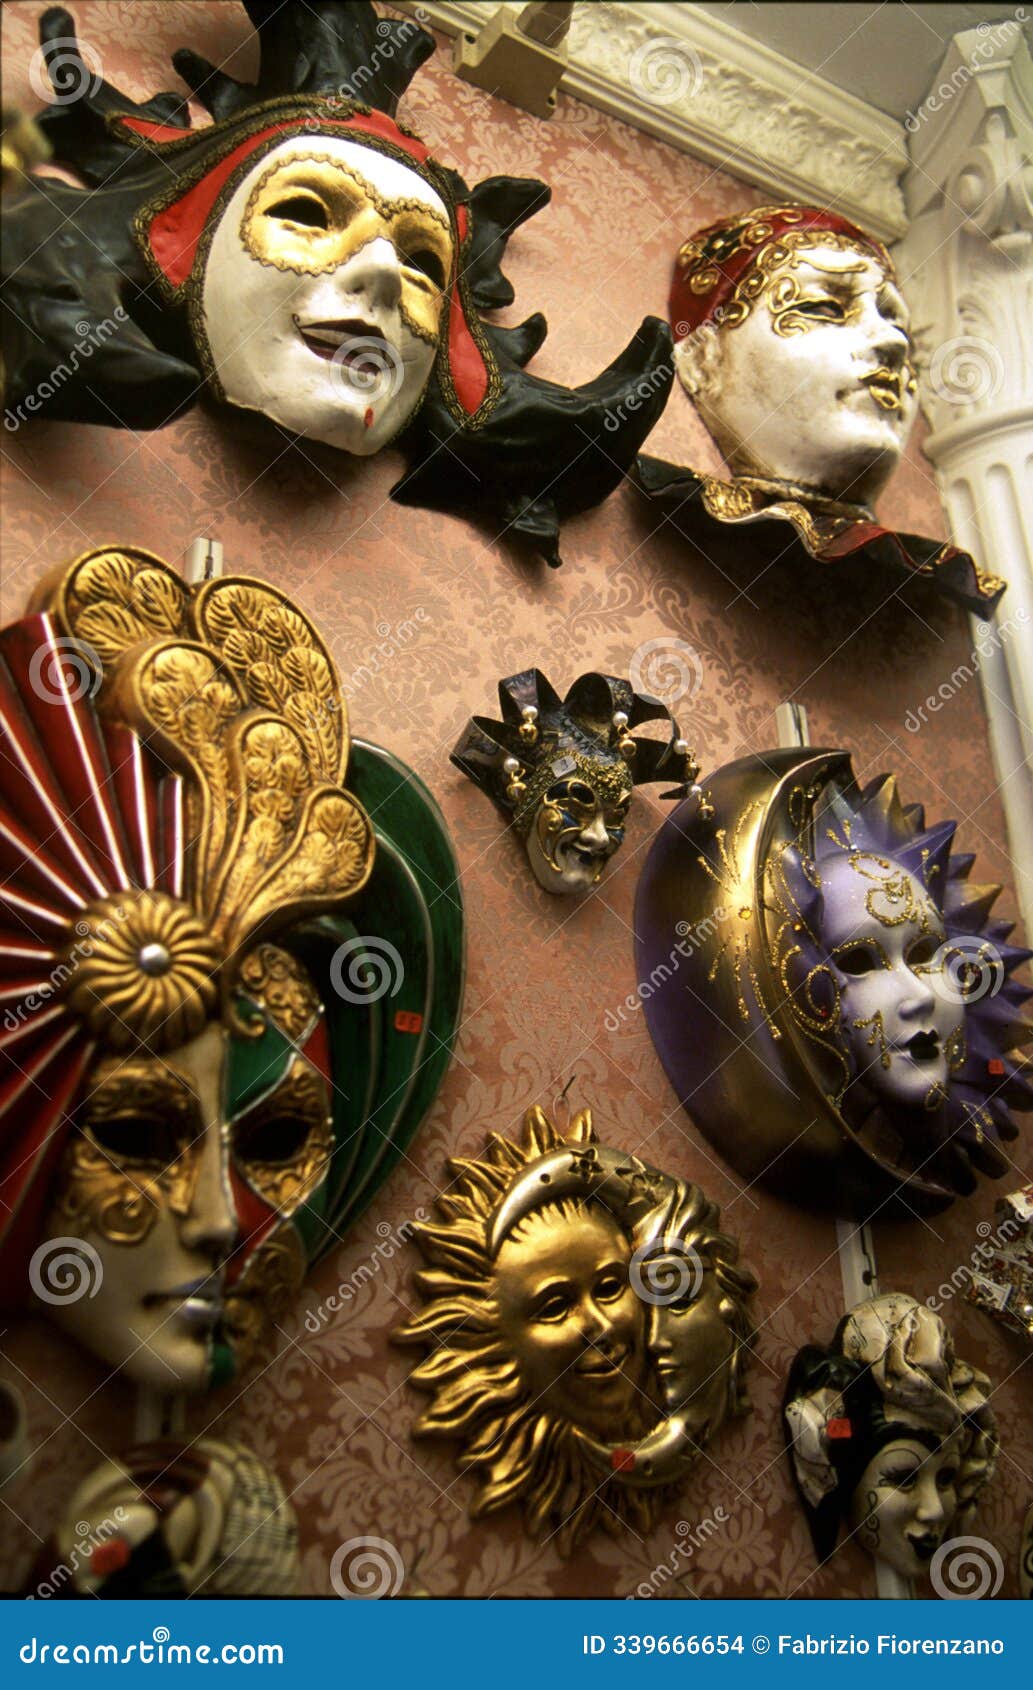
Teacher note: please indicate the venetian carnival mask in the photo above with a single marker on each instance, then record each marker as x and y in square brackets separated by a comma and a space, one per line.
[792, 338]
[587, 1326]
[203, 1078]
[890, 1432]
[308, 258]
[323, 291]
[565, 769]
[169, 1520]
[840, 1018]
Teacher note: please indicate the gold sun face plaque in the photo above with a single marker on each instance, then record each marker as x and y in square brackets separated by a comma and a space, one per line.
[587, 1325]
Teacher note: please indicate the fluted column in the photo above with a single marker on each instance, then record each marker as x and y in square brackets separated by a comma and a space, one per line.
[966, 264]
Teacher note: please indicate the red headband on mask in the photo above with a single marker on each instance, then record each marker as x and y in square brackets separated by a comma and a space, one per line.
[712, 262]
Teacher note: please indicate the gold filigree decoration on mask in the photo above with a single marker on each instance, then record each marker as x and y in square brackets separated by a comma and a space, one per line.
[766, 275]
[278, 983]
[300, 1107]
[609, 780]
[739, 915]
[142, 970]
[553, 832]
[337, 212]
[890, 900]
[230, 684]
[282, 663]
[956, 1048]
[135, 1152]
[114, 598]
[260, 1300]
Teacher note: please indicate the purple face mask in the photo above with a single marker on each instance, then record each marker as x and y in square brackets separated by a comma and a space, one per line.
[826, 989]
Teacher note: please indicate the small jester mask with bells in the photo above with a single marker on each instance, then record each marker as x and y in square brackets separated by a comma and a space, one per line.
[587, 1327]
[203, 1080]
[308, 258]
[565, 769]
[793, 341]
[845, 1028]
[892, 1433]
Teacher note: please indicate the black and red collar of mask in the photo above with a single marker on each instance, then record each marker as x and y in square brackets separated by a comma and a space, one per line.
[172, 230]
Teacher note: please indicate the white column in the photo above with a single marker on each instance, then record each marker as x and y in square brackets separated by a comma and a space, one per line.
[966, 265]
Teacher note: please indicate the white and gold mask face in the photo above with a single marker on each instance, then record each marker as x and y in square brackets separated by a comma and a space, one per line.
[324, 291]
[887, 945]
[814, 385]
[575, 832]
[177, 1181]
[905, 1502]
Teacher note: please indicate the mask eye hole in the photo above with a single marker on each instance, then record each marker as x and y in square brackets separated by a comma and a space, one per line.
[428, 264]
[580, 792]
[823, 310]
[302, 209]
[136, 1138]
[922, 952]
[857, 960]
[273, 1139]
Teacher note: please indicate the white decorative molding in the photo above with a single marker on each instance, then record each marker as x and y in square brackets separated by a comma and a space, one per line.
[966, 264]
[697, 83]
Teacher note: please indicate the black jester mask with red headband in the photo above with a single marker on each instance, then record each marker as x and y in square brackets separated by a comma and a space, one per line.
[305, 257]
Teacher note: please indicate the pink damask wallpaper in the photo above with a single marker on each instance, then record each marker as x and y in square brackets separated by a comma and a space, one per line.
[425, 612]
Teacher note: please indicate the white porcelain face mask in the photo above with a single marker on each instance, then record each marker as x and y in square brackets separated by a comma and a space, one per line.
[814, 386]
[324, 291]
[884, 936]
[905, 1503]
[573, 836]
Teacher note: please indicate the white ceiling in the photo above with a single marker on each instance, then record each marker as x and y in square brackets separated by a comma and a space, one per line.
[887, 54]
